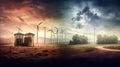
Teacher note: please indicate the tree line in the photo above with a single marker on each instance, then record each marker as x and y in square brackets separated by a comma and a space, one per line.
[107, 39]
[81, 39]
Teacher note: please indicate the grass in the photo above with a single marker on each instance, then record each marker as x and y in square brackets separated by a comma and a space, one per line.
[113, 47]
[78, 48]
[91, 47]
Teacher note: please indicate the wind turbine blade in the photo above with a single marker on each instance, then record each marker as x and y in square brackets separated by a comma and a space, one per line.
[37, 27]
[21, 19]
[51, 30]
[40, 23]
[19, 29]
[56, 28]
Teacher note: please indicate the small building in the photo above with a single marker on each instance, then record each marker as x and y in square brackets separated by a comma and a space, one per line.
[29, 39]
[19, 39]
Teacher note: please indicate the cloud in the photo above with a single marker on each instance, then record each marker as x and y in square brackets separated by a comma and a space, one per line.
[50, 9]
[87, 15]
[44, 8]
[79, 26]
[13, 4]
[110, 10]
[98, 12]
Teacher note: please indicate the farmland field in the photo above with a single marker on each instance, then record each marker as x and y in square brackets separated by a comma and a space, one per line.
[60, 55]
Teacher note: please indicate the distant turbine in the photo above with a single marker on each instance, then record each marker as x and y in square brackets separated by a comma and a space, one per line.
[44, 35]
[37, 32]
[62, 35]
[21, 19]
[94, 35]
[19, 29]
[57, 33]
[51, 31]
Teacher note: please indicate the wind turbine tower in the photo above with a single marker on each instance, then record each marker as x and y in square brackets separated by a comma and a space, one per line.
[37, 32]
[19, 29]
[57, 33]
[94, 35]
[51, 31]
[44, 35]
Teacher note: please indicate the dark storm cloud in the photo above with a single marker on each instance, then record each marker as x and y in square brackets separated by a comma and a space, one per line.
[88, 13]
[107, 3]
[13, 4]
[57, 8]
[45, 8]
[93, 17]
[51, 8]
[100, 3]
[108, 6]
[109, 9]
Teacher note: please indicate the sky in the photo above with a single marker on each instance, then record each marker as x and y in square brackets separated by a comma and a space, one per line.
[81, 17]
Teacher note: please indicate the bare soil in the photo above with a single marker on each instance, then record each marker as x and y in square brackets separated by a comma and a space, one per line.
[58, 55]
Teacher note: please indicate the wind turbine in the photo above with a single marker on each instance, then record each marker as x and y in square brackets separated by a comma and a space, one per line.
[21, 19]
[65, 37]
[94, 34]
[19, 29]
[62, 35]
[37, 31]
[51, 31]
[44, 35]
[57, 33]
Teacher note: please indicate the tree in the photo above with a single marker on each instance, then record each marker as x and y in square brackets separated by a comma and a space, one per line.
[107, 39]
[99, 39]
[76, 39]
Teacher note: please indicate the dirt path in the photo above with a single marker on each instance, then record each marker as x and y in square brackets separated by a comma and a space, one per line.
[106, 49]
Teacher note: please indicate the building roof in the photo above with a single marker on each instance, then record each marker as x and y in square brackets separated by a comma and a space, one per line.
[29, 34]
[18, 34]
